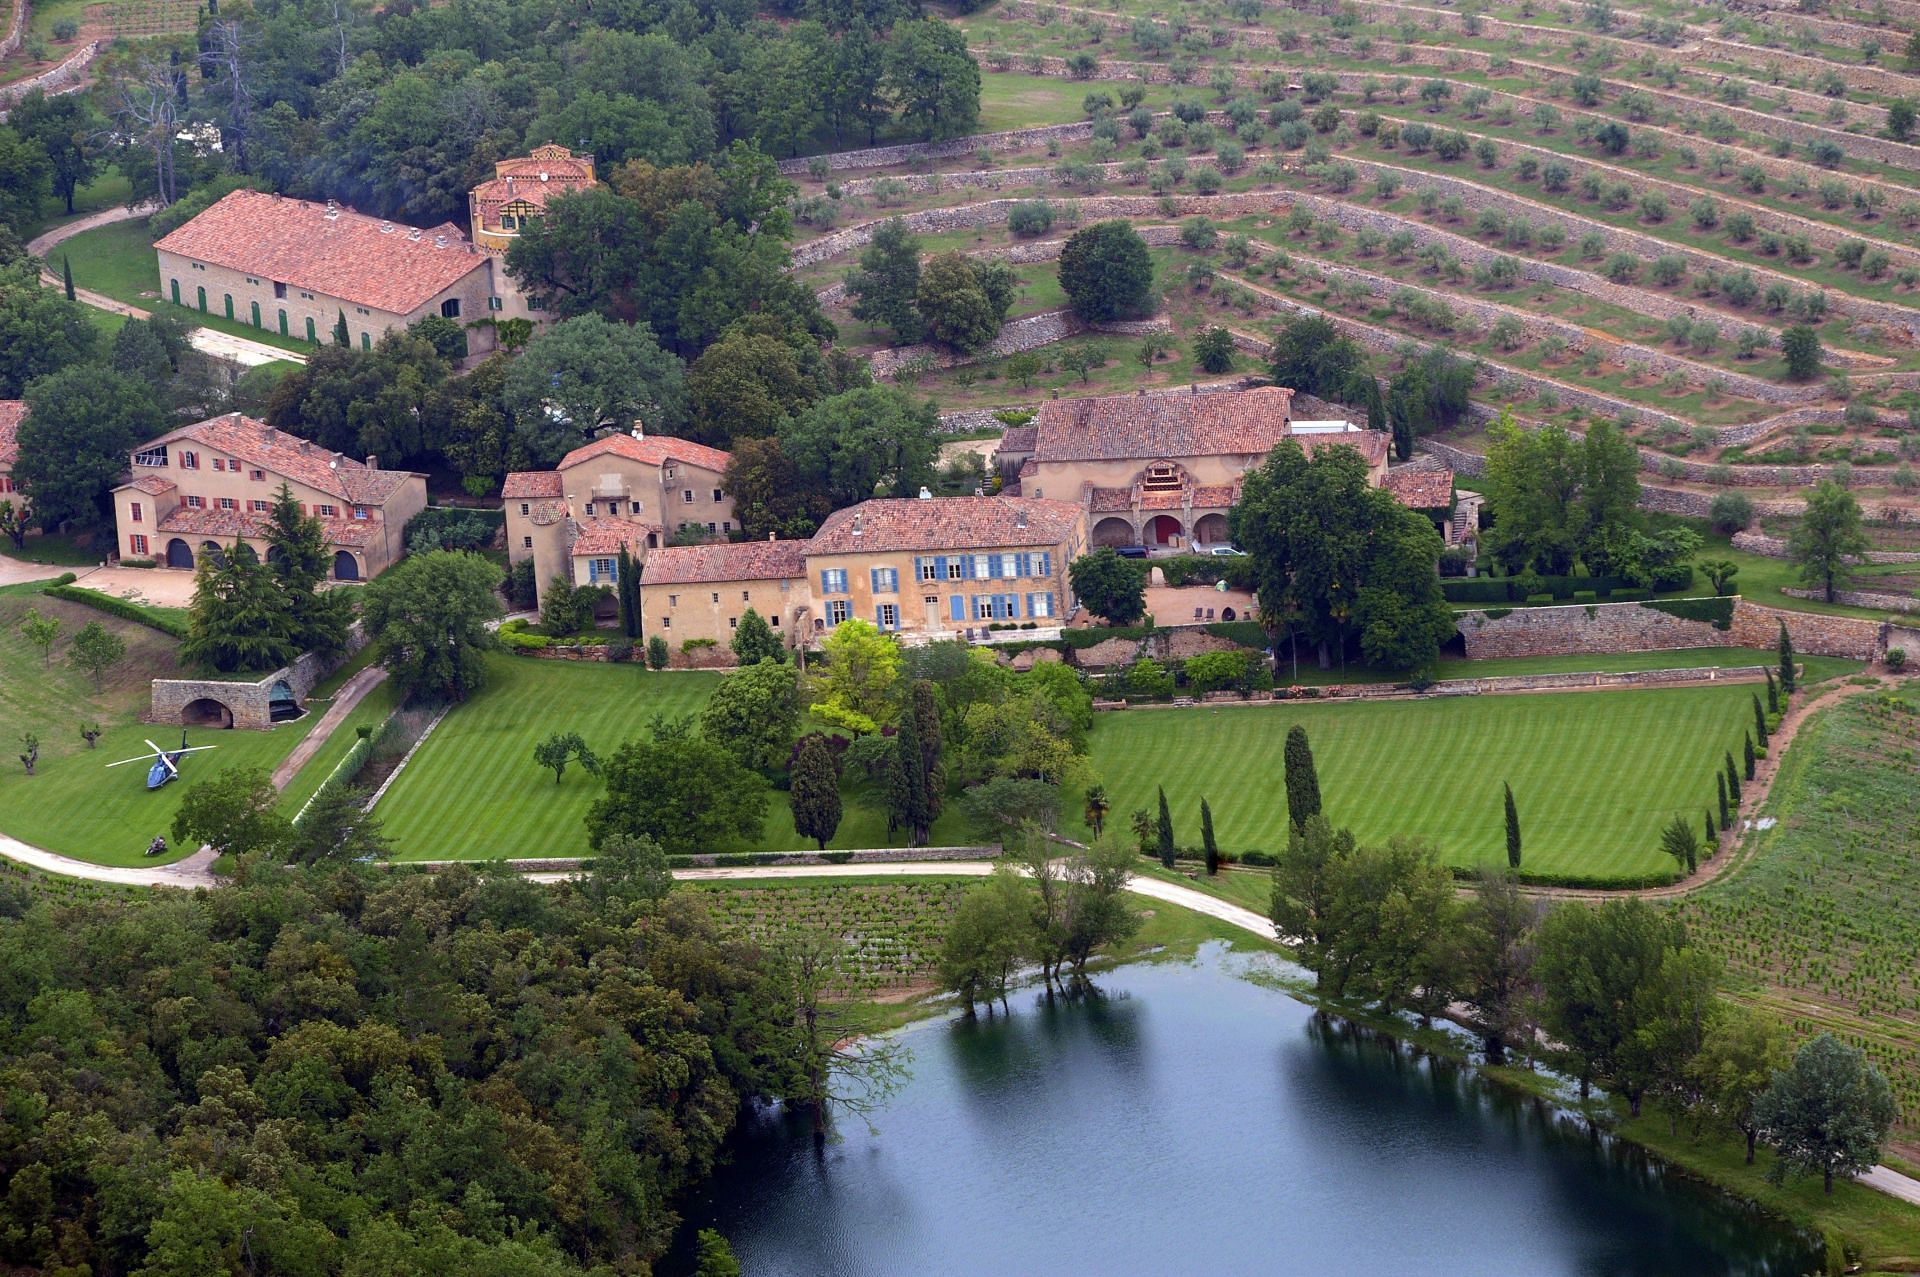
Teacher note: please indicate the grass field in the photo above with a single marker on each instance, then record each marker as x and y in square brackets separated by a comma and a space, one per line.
[473, 791]
[117, 260]
[1822, 921]
[1595, 773]
[1818, 668]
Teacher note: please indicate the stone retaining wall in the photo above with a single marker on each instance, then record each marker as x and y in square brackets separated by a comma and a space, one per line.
[250, 703]
[16, 29]
[1860, 598]
[1776, 548]
[1045, 250]
[910, 152]
[1903, 639]
[60, 79]
[1759, 627]
[1019, 335]
[1632, 627]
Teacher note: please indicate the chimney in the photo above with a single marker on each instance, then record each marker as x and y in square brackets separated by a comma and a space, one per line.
[858, 519]
[1020, 518]
[413, 233]
[926, 493]
[639, 429]
[770, 536]
[509, 188]
[386, 228]
[373, 462]
[439, 241]
[303, 447]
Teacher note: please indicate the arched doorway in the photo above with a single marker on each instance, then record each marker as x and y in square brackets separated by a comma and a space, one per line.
[1211, 529]
[1227, 614]
[179, 554]
[206, 712]
[1163, 529]
[282, 705]
[210, 552]
[275, 556]
[345, 567]
[1114, 532]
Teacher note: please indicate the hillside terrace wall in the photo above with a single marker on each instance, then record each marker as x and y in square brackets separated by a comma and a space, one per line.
[1046, 250]
[1861, 598]
[1607, 628]
[250, 703]
[1776, 548]
[1019, 335]
[16, 29]
[64, 78]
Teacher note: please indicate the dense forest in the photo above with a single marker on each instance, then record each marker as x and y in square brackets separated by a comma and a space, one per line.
[349, 1071]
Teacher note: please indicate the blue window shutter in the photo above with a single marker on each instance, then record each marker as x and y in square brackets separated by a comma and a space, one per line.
[957, 608]
[940, 566]
[1046, 566]
[1013, 606]
[873, 575]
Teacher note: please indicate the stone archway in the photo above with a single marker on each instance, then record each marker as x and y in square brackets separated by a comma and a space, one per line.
[211, 552]
[282, 705]
[1211, 529]
[206, 712]
[1114, 532]
[179, 554]
[1163, 529]
[345, 567]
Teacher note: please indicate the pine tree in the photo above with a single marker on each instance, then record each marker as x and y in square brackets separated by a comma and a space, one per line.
[813, 791]
[1513, 828]
[627, 570]
[1211, 849]
[1303, 783]
[1163, 831]
[1749, 759]
[1759, 722]
[1773, 694]
[340, 335]
[297, 557]
[1720, 787]
[238, 620]
[1786, 660]
[66, 271]
[1733, 781]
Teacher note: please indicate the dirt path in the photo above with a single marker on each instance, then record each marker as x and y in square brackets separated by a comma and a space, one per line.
[240, 350]
[350, 694]
[1753, 797]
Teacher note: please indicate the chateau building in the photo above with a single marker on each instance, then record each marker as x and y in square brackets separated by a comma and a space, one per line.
[198, 489]
[296, 267]
[931, 567]
[12, 413]
[1163, 470]
[632, 490]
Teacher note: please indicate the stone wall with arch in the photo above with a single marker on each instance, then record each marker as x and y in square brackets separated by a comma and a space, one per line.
[242, 703]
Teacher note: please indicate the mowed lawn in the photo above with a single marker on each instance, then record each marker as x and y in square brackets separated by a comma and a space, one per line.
[473, 791]
[1595, 774]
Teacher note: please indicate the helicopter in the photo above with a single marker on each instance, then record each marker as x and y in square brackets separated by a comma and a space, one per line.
[166, 763]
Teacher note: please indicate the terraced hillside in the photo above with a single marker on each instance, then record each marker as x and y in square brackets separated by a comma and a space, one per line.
[1618, 211]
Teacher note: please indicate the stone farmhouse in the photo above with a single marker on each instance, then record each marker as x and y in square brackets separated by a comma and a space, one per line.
[198, 489]
[296, 267]
[12, 413]
[620, 490]
[927, 567]
[1162, 471]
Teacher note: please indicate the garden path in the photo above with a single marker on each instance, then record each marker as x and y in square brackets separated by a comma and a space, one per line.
[344, 700]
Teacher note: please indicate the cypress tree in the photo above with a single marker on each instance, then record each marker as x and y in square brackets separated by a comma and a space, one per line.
[340, 336]
[907, 791]
[628, 570]
[1759, 722]
[926, 725]
[813, 791]
[66, 271]
[1720, 786]
[1207, 844]
[1712, 838]
[1773, 694]
[1163, 831]
[1303, 784]
[1749, 749]
[1733, 781]
[1786, 660]
[1513, 828]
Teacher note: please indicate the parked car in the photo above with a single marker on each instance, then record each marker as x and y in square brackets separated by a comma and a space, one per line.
[1226, 552]
[1131, 551]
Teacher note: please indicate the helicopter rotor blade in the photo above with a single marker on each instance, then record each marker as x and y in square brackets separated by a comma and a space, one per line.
[123, 762]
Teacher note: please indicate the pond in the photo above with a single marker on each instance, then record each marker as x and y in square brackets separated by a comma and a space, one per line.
[1190, 1120]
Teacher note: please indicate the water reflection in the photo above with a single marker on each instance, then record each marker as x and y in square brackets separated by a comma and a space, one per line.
[1189, 1122]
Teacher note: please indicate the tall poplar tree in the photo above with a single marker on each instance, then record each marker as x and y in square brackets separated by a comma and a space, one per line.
[1786, 660]
[1207, 844]
[627, 569]
[1163, 831]
[1513, 828]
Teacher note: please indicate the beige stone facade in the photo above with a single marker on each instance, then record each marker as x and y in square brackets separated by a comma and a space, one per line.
[637, 490]
[198, 489]
[12, 413]
[501, 207]
[691, 593]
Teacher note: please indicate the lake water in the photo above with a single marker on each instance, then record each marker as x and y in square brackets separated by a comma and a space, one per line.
[1192, 1121]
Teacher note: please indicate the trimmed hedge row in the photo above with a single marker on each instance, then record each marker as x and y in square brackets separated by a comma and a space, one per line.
[118, 607]
[1524, 589]
[1718, 610]
[726, 859]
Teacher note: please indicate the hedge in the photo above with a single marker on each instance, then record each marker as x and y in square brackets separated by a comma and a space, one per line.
[119, 607]
[454, 527]
[1507, 589]
[1587, 882]
[1078, 639]
[1245, 633]
[1203, 569]
[1718, 610]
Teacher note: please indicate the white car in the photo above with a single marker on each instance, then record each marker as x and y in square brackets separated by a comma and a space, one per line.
[1225, 552]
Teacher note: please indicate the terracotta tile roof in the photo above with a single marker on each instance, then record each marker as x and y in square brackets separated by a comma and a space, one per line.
[152, 484]
[1421, 489]
[12, 413]
[522, 485]
[1146, 427]
[281, 454]
[944, 523]
[653, 450]
[1018, 439]
[535, 178]
[347, 256]
[1371, 444]
[735, 561]
[1029, 468]
[225, 525]
[1215, 495]
[1161, 501]
[1101, 500]
[606, 536]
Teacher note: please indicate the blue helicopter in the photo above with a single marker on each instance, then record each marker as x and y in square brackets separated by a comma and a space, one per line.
[165, 763]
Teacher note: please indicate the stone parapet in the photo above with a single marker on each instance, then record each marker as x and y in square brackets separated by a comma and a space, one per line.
[1019, 335]
[1860, 598]
[1776, 548]
[247, 704]
[1759, 627]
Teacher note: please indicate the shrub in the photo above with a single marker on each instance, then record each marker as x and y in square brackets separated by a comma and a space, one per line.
[1030, 217]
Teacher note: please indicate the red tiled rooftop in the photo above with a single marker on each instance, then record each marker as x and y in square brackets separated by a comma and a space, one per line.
[1421, 489]
[12, 413]
[1145, 427]
[735, 561]
[152, 484]
[1371, 444]
[348, 256]
[282, 454]
[226, 525]
[524, 485]
[606, 536]
[944, 523]
[1017, 439]
[653, 450]
[535, 178]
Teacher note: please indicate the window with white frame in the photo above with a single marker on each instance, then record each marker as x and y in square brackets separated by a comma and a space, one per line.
[837, 611]
[833, 581]
[888, 615]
